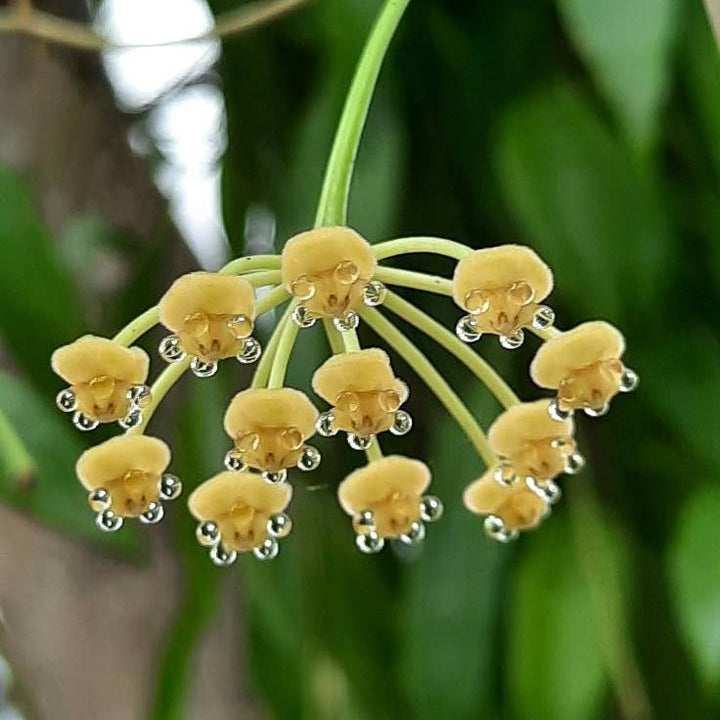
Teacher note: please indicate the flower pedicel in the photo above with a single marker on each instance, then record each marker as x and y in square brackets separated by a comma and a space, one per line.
[332, 274]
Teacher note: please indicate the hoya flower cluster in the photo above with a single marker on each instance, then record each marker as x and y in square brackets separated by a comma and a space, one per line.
[333, 275]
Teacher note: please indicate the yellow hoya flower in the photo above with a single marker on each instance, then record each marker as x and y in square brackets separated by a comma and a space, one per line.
[126, 478]
[500, 288]
[365, 395]
[508, 508]
[212, 317]
[328, 270]
[533, 445]
[584, 366]
[269, 428]
[107, 382]
[239, 512]
[385, 500]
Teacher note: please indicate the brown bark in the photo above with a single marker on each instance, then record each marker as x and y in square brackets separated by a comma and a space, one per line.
[84, 633]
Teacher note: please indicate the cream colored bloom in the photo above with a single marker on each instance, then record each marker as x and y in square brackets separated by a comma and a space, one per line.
[501, 289]
[270, 427]
[584, 365]
[327, 270]
[212, 316]
[364, 393]
[242, 508]
[101, 375]
[516, 506]
[125, 475]
[533, 443]
[385, 500]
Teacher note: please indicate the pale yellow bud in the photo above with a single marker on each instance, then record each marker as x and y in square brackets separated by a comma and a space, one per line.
[240, 503]
[270, 426]
[100, 372]
[327, 269]
[391, 489]
[211, 313]
[129, 467]
[363, 390]
[517, 506]
[582, 364]
[502, 287]
[536, 445]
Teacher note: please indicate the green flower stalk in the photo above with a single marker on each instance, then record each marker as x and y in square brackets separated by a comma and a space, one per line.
[330, 273]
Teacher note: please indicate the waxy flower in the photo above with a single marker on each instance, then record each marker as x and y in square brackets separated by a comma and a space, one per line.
[212, 317]
[584, 366]
[365, 395]
[385, 500]
[328, 270]
[240, 512]
[269, 428]
[531, 444]
[107, 382]
[500, 288]
[508, 508]
[126, 478]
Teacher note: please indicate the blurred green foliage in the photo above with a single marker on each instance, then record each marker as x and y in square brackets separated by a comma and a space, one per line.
[589, 130]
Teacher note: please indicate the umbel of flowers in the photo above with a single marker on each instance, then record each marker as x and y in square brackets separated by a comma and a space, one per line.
[333, 274]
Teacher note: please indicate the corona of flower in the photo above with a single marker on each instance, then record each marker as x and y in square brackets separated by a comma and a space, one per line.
[501, 289]
[584, 365]
[240, 512]
[365, 396]
[508, 509]
[328, 271]
[125, 478]
[107, 382]
[385, 501]
[531, 444]
[270, 428]
[211, 317]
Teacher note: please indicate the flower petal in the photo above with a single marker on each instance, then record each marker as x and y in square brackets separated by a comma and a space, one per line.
[585, 344]
[110, 460]
[90, 356]
[523, 423]
[321, 250]
[374, 482]
[362, 371]
[208, 293]
[500, 267]
[222, 493]
[255, 409]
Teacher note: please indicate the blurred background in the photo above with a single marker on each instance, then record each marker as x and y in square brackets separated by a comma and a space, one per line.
[588, 130]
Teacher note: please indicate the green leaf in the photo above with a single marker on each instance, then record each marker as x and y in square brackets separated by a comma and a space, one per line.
[627, 44]
[700, 64]
[452, 596]
[695, 581]
[53, 495]
[555, 663]
[683, 384]
[583, 203]
[38, 299]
